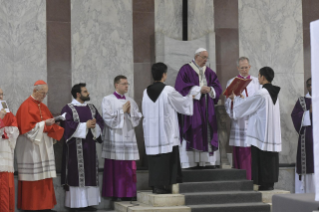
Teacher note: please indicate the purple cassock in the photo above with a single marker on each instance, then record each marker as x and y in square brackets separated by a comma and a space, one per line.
[194, 129]
[119, 176]
[307, 147]
[80, 162]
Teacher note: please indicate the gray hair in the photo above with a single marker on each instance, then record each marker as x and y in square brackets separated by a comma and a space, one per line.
[37, 87]
[241, 59]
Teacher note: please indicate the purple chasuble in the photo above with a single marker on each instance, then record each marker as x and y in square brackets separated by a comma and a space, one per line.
[69, 157]
[194, 128]
[296, 116]
[119, 176]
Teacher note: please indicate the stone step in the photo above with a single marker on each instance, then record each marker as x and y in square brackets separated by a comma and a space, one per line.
[267, 195]
[239, 185]
[200, 175]
[160, 200]
[138, 206]
[223, 197]
[232, 207]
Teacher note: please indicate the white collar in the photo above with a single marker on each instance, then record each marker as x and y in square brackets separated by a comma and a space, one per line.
[308, 95]
[77, 103]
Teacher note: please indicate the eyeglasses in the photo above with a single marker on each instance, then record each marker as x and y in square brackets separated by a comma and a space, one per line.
[245, 67]
[205, 58]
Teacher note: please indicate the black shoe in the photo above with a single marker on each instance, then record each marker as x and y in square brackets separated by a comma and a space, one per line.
[128, 198]
[266, 188]
[157, 190]
[48, 210]
[88, 208]
[73, 210]
[116, 199]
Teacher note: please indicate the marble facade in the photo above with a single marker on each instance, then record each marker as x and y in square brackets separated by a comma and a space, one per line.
[169, 18]
[101, 45]
[22, 48]
[270, 34]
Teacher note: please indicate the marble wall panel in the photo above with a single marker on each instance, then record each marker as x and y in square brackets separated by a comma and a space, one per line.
[101, 44]
[286, 179]
[169, 18]
[200, 18]
[270, 34]
[22, 48]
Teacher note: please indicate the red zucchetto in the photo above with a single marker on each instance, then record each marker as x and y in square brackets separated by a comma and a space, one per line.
[40, 82]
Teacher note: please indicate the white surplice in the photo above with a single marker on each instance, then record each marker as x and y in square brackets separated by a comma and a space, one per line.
[160, 124]
[35, 155]
[264, 130]
[7, 148]
[119, 140]
[237, 136]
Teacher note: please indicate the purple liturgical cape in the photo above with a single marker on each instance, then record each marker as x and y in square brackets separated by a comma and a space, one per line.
[296, 116]
[194, 128]
[69, 160]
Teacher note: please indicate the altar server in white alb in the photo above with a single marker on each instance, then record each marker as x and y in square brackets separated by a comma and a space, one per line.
[237, 137]
[121, 115]
[160, 106]
[263, 132]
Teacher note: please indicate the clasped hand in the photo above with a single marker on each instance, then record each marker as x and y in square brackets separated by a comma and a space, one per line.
[3, 113]
[205, 89]
[232, 96]
[49, 122]
[91, 123]
[127, 107]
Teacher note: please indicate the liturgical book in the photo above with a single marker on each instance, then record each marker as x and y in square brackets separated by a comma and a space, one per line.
[237, 85]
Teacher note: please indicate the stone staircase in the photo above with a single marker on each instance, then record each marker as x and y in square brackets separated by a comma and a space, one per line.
[213, 190]
[216, 190]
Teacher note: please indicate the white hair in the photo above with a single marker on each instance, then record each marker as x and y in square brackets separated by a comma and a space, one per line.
[38, 87]
[241, 59]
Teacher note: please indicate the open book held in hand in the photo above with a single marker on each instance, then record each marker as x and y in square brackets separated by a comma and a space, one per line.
[237, 85]
[4, 105]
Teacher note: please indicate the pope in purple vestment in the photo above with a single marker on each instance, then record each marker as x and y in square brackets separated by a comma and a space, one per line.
[200, 127]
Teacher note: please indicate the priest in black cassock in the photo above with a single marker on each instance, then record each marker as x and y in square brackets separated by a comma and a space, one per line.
[263, 131]
[302, 120]
[160, 106]
[80, 164]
